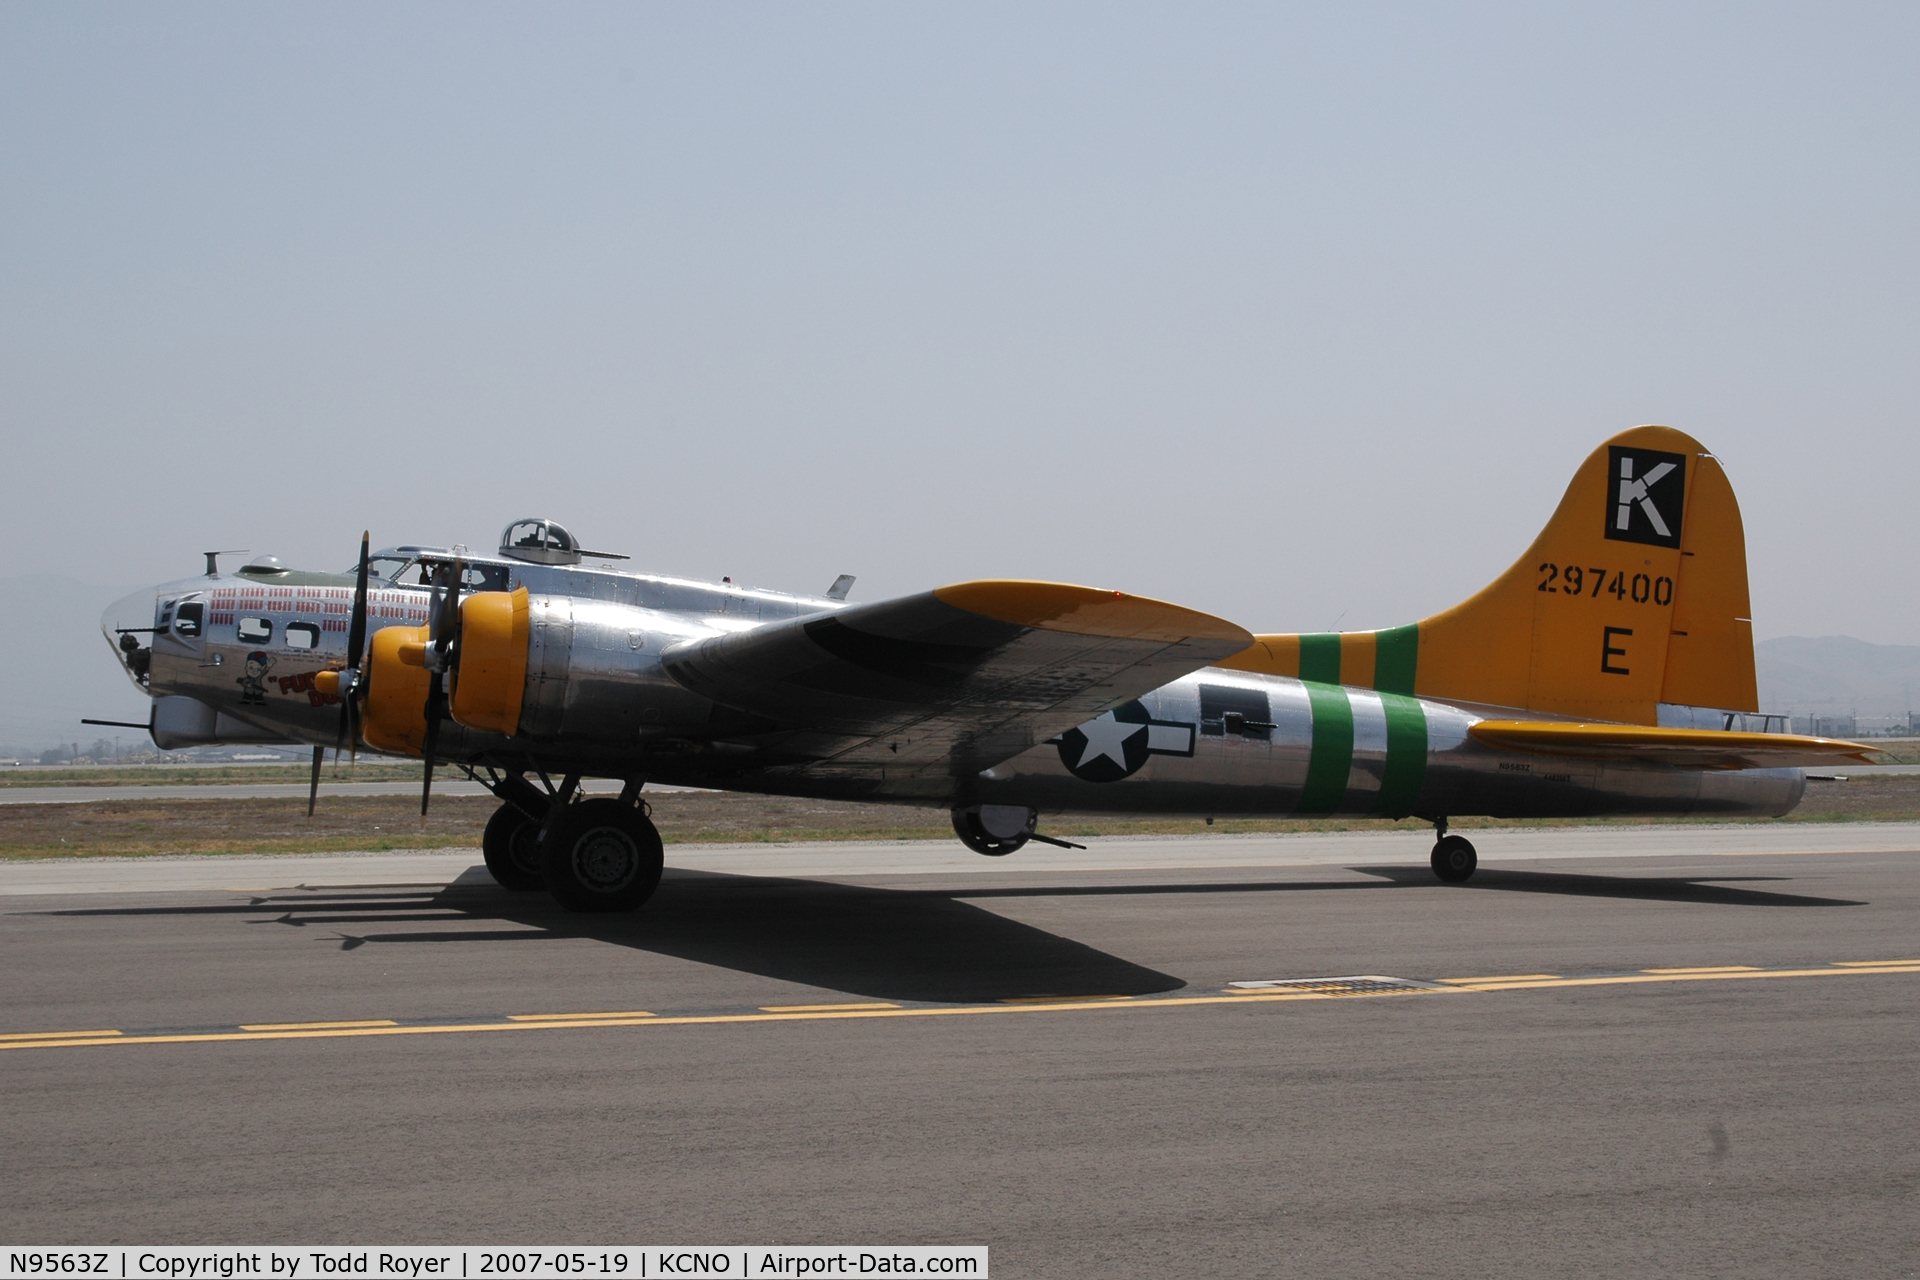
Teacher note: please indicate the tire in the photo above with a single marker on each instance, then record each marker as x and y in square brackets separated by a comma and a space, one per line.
[966, 825]
[601, 856]
[1454, 859]
[512, 848]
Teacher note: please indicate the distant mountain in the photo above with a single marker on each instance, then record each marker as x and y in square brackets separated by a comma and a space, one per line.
[1838, 676]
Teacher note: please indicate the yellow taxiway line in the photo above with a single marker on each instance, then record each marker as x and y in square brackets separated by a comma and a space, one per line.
[881, 1010]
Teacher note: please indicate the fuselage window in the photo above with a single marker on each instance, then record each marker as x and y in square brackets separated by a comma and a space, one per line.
[1248, 708]
[302, 635]
[187, 619]
[255, 630]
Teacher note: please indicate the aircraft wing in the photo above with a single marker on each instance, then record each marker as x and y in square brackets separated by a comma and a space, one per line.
[1682, 748]
[951, 681]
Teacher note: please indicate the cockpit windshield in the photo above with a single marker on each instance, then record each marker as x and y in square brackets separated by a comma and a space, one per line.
[383, 568]
[401, 570]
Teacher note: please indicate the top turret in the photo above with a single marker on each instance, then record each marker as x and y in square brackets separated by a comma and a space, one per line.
[545, 542]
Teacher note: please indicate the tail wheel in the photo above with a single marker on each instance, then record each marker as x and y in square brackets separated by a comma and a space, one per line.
[995, 830]
[1454, 859]
[512, 848]
[602, 856]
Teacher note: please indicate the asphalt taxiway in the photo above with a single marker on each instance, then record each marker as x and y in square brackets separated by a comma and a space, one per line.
[1615, 1051]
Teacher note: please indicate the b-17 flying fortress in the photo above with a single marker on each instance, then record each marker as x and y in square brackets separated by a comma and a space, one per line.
[1609, 671]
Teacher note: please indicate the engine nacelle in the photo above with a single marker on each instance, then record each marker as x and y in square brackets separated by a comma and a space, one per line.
[396, 712]
[490, 679]
[543, 667]
[533, 667]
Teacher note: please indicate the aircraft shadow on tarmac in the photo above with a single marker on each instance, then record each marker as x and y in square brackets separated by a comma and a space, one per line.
[1713, 890]
[894, 944]
[883, 943]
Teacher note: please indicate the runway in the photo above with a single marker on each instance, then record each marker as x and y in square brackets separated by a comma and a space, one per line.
[1615, 1051]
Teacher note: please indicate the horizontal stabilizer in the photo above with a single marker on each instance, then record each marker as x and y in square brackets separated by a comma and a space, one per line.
[1681, 748]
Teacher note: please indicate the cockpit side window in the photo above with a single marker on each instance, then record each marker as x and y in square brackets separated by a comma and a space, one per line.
[484, 577]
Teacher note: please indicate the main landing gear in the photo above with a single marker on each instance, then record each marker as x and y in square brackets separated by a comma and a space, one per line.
[1453, 856]
[602, 855]
[511, 845]
[599, 855]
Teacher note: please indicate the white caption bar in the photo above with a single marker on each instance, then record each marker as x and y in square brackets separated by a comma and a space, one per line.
[468, 1262]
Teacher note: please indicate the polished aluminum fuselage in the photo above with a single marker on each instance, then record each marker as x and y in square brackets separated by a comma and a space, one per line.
[599, 702]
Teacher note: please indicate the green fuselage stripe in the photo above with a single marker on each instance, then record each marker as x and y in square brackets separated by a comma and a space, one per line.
[1396, 656]
[1331, 761]
[1320, 657]
[1406, 756]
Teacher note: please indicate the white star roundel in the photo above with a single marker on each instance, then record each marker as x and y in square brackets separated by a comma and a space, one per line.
[1115, 745]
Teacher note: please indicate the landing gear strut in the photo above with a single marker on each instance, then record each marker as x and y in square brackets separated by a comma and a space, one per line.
[511, 844]
[1453, 857]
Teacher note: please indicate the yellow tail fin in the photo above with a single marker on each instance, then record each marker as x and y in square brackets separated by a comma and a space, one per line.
[1634, 594]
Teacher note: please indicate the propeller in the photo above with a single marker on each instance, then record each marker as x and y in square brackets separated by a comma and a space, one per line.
[349, 679]
[443, 651]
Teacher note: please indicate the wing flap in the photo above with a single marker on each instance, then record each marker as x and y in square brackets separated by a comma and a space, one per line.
[949, 681]
[1682, 748]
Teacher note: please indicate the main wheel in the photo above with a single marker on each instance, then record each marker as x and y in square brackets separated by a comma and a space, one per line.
[512, 848]
[994, 829]
[1454, 859]
[601, 855]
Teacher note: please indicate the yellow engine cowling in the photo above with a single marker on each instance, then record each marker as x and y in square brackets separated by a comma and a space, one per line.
[397, 685]
[491, 678]
[488, 681]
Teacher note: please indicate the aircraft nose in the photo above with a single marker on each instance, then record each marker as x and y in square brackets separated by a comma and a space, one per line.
[127, 624]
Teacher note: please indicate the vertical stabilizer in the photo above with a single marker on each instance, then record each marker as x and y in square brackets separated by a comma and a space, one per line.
[1634, 594]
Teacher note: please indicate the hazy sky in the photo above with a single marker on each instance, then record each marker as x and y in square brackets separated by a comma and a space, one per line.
[1301, 315]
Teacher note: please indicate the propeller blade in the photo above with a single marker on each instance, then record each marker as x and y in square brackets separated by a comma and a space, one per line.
[453, 601]
[443, 622]
[357, 629]
[348, 734]
[313, 786]
[433, 615]
[436, 701]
